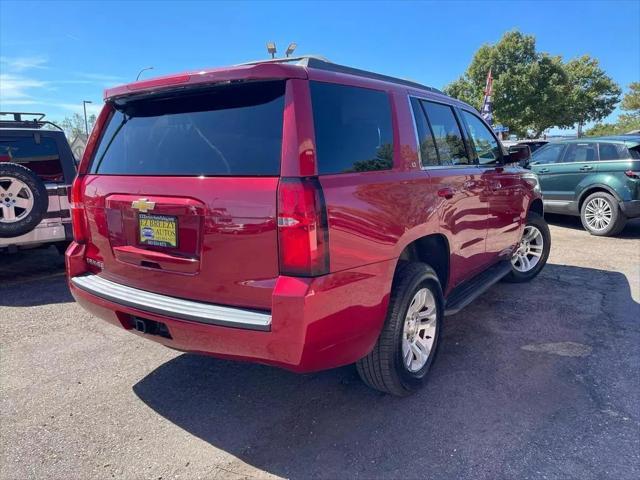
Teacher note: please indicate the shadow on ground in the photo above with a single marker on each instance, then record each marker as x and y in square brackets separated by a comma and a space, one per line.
[25, 264]
[30, 278]
[499, 402]
[631, 230]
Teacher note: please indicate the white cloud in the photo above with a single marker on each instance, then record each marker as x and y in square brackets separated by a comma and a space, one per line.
[101, 78]
[19, 64]
[57, 97]
[92, 108]
[17, 87]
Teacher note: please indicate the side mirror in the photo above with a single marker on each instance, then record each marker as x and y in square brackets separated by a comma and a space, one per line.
[520, 154]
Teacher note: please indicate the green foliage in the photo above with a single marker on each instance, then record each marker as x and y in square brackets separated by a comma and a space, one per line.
[74, 125]
[626, 122]
[631, 100]
[534, 91]
[593, 94]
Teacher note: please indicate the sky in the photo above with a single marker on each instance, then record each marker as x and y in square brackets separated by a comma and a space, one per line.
[54, 55]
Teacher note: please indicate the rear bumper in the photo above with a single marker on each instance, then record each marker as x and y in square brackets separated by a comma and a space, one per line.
[314, 324]
[46, 232]
[172, 307]
[631, 209]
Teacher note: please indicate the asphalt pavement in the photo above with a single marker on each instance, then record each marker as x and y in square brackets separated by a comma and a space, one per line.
[538, 380]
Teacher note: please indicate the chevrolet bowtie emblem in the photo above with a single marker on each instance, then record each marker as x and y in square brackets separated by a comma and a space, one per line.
[143, 205]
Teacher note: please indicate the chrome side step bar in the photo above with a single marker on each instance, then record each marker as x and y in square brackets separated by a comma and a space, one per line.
[172, 306]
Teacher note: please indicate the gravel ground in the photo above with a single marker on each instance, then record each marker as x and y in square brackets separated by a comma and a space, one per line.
[532, 381]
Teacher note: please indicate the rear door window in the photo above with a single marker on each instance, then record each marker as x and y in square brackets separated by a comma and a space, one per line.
[233, 130]
[613, 151]
[581, 152]
[353, 128]
[447, 134]
[484, 142]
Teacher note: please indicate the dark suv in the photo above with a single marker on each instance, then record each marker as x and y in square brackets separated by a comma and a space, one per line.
[297, 213]
[36, 171]
[597, 178]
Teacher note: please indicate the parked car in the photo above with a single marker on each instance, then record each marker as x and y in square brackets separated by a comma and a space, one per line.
[297, 213]
[533, 144]
[36, 170]
[597, 178]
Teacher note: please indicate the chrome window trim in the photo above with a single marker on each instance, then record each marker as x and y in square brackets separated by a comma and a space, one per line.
[590, 161]
[171, 306]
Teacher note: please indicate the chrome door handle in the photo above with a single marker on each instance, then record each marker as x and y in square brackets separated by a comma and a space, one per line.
[543, 170]
[586, 168]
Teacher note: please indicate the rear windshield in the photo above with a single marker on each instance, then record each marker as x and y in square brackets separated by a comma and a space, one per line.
[231, 130]
[36, 152]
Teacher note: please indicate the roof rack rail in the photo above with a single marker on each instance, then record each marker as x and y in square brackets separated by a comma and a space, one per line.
[19, 122]
[322, 63]
[300, 60]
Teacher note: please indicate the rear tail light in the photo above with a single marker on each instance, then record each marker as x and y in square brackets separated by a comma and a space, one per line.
[76, 198]
[632, 174]
[78, 217]
[303, 233]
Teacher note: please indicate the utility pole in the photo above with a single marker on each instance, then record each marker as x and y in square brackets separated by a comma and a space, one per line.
[86, 124]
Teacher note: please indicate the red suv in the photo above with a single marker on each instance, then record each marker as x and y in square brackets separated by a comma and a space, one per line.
[297, 213]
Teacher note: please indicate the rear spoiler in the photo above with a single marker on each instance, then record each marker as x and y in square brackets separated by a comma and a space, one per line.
[239, 73]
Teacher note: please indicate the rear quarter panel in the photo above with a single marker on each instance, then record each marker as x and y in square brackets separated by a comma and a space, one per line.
[611, 176]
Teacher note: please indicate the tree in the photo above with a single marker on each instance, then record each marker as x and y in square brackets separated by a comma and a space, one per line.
[74, 125]
[631, 100]
[535, 91]
[529, 88]
[626, 122]
[593, 94]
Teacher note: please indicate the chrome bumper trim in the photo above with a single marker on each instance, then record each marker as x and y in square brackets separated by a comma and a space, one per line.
[171, 306]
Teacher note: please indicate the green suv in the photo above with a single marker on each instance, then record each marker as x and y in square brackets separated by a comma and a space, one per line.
[597, 178]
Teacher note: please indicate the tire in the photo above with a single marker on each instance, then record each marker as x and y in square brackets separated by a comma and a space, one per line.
[530, 245]
[20, 186]
[384, 368]
[596, 209]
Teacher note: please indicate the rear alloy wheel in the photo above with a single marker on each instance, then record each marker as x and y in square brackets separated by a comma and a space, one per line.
[406, 347]
[601, 215]
[532, 252]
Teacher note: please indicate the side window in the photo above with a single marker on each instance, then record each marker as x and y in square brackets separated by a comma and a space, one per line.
[447, 134]
[580, 152]
[428, 152]
[613, 151]
[550, 153]
[353, 128]
[485, 144]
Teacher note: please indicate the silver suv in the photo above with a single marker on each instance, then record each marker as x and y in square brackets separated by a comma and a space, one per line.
[37, 168]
